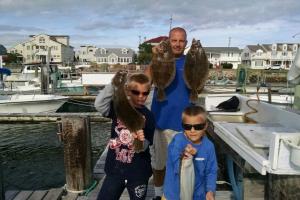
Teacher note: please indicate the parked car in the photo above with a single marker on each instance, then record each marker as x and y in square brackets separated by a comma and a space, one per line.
[275, 66]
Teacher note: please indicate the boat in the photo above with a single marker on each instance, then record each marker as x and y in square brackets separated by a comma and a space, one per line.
[33, 103]
[260, 138]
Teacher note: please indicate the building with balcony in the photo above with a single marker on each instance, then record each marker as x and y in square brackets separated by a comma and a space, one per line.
[221, 55]
[43, 47]
[86, 53]
[264, 56]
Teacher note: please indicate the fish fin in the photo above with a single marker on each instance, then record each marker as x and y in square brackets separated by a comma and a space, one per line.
[161, 96]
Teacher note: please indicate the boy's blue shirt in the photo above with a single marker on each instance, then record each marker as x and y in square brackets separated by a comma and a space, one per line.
[205, 165]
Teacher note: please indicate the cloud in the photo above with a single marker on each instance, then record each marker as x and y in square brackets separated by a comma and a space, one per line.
[4, 28]
[118, 21]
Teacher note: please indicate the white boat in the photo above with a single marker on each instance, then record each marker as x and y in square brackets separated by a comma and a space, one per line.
[269, 139]
[20, 103]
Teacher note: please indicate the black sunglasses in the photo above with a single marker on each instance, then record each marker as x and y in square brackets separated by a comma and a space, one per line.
[137, 93]
[197, 127]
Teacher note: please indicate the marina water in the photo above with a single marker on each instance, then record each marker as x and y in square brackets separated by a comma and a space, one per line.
[32, 156]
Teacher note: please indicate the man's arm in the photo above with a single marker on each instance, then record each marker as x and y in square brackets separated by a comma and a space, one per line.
[103, 99]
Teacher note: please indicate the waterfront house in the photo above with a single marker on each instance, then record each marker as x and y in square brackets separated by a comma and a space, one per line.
[86, 53]
[221, 55]
[110, 56]
[265, 56]
[40, 48]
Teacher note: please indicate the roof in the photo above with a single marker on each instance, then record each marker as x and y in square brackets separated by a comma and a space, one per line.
[157, 39]
[117, 51]
[2, 50]
[50, 35]
[268, 47]
[221, 49]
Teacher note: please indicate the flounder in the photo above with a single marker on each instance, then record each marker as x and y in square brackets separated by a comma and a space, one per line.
[126, 113]
[195, 69]
[163, 69]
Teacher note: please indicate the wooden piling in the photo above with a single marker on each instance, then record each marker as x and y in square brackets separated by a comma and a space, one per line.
[2, 193]
[44, 80]
[76, 136]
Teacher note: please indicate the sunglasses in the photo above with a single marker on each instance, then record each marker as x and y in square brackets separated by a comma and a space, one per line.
[137, 93]
[197, 127]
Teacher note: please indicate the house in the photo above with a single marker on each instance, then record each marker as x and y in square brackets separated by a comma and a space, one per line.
[156, 41]
[262, 56]
[220, 55]
[121, 56]
[2, 50]
[40, 48]
[86, 53]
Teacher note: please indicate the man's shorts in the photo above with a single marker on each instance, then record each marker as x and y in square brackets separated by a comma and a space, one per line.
[159, 149]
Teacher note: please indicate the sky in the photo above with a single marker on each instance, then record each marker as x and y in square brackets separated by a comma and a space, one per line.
[124, 23]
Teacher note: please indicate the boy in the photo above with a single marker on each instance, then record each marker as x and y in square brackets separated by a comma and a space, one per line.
[192, 143]
[124, 167]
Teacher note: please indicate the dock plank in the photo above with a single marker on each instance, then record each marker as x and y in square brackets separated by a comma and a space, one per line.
[54, 194]
[9, 195]
[38, 195]
[23, 195]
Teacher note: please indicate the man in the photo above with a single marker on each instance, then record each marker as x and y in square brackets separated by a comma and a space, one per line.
[168, 113]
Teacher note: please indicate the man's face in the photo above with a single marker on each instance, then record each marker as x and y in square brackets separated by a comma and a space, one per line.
[178, 42]
[138, 93]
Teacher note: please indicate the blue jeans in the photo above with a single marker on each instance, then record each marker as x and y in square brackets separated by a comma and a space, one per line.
[114, 185]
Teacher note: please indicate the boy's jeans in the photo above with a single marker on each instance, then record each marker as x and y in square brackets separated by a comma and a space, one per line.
[114, 185]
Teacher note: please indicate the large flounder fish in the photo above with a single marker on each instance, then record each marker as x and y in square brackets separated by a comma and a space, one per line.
[163, 69]
[195, 69]
[131, 118]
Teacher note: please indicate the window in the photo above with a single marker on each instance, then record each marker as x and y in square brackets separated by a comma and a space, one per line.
[124, 51]
[246, 54]
[284, 53]
[28, 47]
[274, 47]
[259, 63]
[284, 47]
[91, 50]
[295, 48]
[42, 40]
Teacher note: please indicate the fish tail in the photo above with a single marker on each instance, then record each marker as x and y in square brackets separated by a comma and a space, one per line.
[161, 96]
[194, 96]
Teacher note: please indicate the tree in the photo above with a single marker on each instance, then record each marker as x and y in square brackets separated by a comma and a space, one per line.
[13, 58]
[145, 53]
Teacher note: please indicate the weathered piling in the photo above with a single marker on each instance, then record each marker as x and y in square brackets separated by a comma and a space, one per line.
[76, 136]
[2, 193]
[44, 79]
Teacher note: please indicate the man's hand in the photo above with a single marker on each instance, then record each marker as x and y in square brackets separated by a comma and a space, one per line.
[189, 151]
[139, 135]
[210, 196]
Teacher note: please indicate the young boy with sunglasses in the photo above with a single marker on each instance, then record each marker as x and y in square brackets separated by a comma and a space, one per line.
[124, 167]
[192, 143]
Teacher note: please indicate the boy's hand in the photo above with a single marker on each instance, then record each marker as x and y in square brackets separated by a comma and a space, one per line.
[139, 135]
[189, 151]
[210, 196]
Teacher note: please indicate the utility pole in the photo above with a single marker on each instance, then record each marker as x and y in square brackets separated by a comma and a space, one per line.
[171, 20]
[140, 40]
